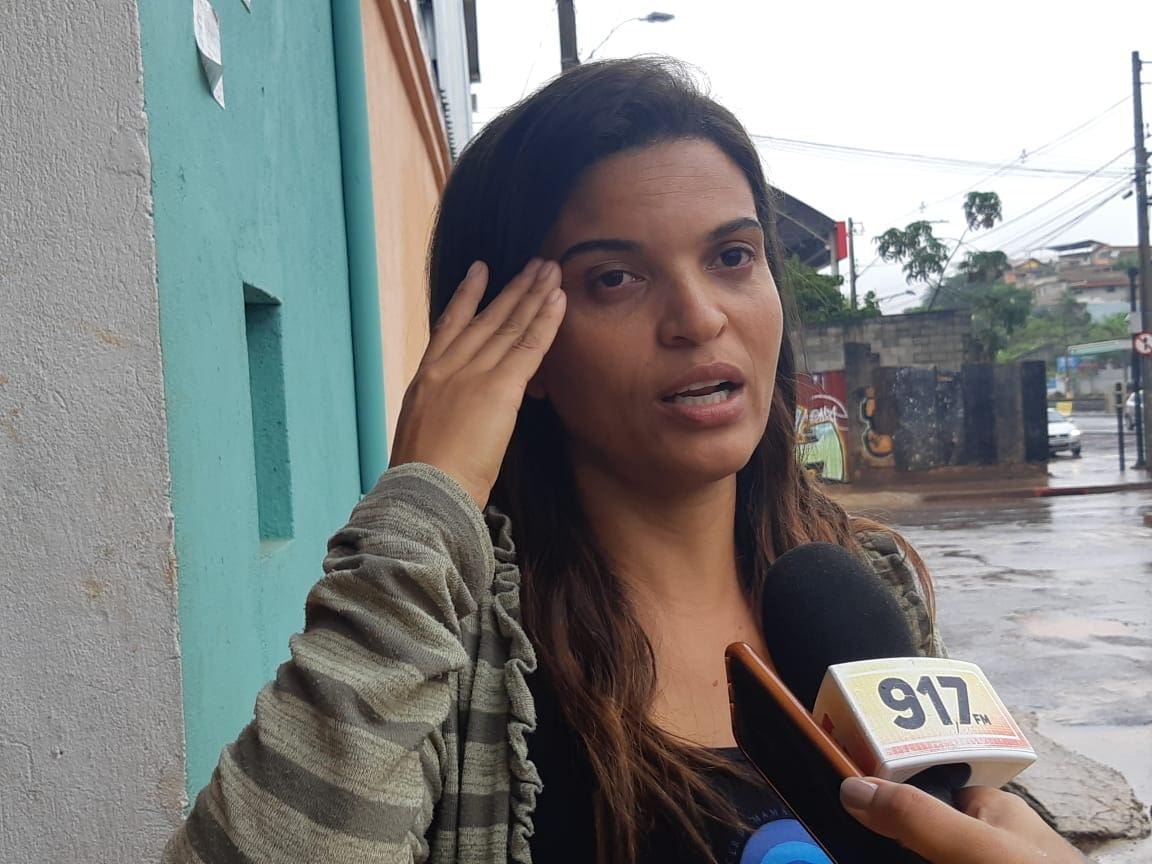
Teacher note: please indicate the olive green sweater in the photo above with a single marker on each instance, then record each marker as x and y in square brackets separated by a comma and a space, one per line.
[396, 731]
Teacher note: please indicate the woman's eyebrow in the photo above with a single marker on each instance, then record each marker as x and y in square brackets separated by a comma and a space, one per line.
[606, 244]
[612, 244]
[735, 225]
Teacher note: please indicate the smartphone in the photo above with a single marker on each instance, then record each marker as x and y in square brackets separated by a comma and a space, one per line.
[800, 761]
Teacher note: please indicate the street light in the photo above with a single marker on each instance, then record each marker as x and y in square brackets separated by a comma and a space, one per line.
[650, 18]
[888, 297]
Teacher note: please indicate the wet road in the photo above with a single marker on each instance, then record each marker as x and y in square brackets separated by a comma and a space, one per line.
[1053, 598]
[1099, 462]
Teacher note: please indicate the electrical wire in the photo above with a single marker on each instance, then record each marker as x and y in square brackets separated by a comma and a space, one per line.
[997, 228]
[1024, 154]
[1099, 197]
[944, 163]
[1071, 223]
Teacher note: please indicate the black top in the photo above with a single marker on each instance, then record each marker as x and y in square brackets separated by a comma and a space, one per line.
[563, 819]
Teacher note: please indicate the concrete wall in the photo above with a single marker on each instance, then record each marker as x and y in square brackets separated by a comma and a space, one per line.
[914, 339]
[91, 735]
[252, 279]
[905, 422]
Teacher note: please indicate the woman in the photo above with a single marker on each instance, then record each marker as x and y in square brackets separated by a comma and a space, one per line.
[549, 686]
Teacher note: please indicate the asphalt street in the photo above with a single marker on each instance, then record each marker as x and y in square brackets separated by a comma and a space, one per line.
[1053, 598]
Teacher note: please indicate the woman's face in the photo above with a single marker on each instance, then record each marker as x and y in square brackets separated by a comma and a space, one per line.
[663, 370]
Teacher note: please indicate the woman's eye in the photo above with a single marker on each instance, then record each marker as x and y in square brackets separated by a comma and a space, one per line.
[615, 278]
[736, 256]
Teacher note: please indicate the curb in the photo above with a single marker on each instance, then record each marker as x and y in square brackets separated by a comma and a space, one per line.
[1036, 492]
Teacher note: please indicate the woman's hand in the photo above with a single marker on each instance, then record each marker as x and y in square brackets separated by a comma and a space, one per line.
[460, 409]
[988, 826]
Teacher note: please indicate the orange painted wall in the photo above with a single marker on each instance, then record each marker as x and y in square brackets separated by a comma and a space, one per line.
[409, 161]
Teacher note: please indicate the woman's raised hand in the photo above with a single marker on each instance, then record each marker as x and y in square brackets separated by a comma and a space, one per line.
[460, 409]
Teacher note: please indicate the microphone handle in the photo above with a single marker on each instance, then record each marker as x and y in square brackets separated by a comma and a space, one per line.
[941, 781]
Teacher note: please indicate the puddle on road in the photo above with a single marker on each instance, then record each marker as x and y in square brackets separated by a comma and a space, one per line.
[1068, 627]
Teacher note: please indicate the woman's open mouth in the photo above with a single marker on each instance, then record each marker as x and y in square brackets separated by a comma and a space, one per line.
[705, 393]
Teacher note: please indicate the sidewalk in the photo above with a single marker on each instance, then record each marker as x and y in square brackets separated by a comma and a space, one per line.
[1093, 474]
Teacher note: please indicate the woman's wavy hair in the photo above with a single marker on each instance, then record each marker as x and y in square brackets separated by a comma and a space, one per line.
[501, 201]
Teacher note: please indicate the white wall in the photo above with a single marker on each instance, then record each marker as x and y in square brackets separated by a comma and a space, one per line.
[91, 730]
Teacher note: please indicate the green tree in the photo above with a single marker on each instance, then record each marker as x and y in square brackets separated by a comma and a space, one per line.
[998, 311]
[1050, 330]
[819, 298]
[923, 255]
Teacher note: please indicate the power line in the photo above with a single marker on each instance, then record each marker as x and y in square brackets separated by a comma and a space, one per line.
[1057, 196]
[844, 151]
[1071, 223]
[1075, 130]
[1024, 154]
[1091, 201]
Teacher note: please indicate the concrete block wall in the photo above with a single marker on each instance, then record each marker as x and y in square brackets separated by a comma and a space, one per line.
[91, 728]
[910, 419]
[915, 339]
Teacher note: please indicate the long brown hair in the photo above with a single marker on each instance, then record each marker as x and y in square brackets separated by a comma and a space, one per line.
[502, 199]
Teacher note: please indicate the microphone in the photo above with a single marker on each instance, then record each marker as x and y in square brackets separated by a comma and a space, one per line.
[841, 644]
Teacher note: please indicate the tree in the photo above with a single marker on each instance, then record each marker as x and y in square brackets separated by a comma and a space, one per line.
[998, 311]
[925, 256]
[818, 297]
[1050, 330]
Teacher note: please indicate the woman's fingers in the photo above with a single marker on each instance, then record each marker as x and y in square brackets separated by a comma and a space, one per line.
[515, 331]
[477, 332]
[460, 409]
[526, 352]
[928, 827]
[992, 827]
[459, 312]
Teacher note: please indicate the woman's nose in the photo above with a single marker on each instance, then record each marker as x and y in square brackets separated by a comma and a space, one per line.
[692, 312]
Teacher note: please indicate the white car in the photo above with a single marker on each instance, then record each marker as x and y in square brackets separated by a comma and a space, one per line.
[1062, 434]
[1130, 409]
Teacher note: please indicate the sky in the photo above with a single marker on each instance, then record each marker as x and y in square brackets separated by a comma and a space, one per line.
[1026, 91]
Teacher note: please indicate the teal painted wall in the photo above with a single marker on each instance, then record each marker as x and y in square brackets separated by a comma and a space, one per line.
[249, 196]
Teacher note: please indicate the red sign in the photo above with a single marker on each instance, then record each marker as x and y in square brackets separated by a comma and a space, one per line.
[1142, 342]
[841, 241]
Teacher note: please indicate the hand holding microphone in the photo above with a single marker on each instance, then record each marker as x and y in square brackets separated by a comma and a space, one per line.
[841, 646]
[986, 825]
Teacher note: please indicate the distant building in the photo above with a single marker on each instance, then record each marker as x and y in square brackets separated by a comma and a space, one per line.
[1092, 272]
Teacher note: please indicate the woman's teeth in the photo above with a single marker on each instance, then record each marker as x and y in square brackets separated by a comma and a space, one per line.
[709, 399]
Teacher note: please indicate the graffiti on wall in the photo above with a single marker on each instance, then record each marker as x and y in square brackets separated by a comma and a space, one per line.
[877, 445]
[822, 425]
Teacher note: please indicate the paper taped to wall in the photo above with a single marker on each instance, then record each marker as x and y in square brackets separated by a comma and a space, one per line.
[207, 28]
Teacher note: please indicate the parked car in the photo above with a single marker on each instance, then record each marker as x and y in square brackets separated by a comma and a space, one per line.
[1130, 408]
[1062, 434]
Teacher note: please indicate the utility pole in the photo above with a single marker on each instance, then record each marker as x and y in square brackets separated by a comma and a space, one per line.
[566, 13]
[1141, 179]
[851, 268]
[1133, 274]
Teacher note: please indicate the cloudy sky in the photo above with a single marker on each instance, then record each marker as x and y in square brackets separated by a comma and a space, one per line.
[1037, 98]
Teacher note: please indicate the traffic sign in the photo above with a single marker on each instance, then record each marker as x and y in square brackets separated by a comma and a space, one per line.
[1142, 342]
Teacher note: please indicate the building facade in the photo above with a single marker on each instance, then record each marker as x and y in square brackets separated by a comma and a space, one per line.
[1089, 272]
[210, 309]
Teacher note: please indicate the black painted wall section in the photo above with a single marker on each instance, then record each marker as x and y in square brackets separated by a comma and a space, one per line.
[977, 386]
[1034, 409]
[983, 414]
[916, 442]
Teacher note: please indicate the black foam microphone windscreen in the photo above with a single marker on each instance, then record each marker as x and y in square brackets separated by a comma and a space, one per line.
[822, 606]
